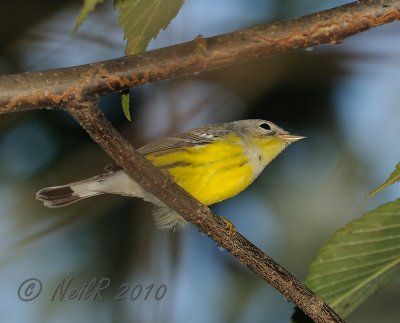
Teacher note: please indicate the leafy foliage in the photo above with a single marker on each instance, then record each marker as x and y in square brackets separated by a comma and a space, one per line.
[87, 7]
[358, 259]
[393, 178]
[125, 98]
[142, 20]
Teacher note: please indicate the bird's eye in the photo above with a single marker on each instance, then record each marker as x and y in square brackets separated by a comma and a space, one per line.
[265, 126]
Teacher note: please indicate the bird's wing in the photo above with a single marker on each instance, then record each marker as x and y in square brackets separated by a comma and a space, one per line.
[181, 141]
[194, 137]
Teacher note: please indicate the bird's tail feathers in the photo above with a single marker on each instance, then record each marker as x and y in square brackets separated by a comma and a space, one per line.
[58, 196]
[116, 183]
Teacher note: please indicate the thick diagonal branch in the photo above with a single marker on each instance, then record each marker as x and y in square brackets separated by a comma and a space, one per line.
[162, 186]
[57, 87]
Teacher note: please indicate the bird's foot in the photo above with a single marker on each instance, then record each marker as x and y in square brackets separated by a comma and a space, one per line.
[229, 226]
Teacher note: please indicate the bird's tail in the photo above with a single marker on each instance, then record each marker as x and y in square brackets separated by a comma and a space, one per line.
[57, 196]
[114, 183]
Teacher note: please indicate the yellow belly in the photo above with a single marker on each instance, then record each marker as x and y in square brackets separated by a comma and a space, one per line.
[211, 173]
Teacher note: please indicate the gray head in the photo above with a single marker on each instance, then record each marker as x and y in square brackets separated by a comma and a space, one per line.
[258, 128]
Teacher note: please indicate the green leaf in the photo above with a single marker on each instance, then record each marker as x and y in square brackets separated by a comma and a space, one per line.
[142, 20]
[125, 97]
[393, 178]
[87, 7]
[358, 259]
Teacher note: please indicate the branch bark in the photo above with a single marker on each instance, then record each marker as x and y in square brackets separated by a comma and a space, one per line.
[57, 87]
[162, 186]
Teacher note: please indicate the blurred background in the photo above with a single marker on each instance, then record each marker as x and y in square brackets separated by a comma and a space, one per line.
[345, 99]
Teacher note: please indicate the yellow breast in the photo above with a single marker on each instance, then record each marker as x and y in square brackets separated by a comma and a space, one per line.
[211, 172]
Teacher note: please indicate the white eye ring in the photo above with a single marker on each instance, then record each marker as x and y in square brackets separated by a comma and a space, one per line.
[265, 126]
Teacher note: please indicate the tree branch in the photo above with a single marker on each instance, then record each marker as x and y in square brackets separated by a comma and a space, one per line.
[162, 186]
[57, 87]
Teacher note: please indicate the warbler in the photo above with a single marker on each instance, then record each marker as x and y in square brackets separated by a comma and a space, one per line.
[212, 163]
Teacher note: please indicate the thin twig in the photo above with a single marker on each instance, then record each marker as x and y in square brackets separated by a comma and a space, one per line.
[162, 186]
[57, 87]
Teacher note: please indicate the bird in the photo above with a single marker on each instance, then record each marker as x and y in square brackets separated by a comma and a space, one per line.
[213, 163]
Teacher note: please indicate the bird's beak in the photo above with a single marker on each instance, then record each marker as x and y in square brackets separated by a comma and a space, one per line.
[290, 138]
